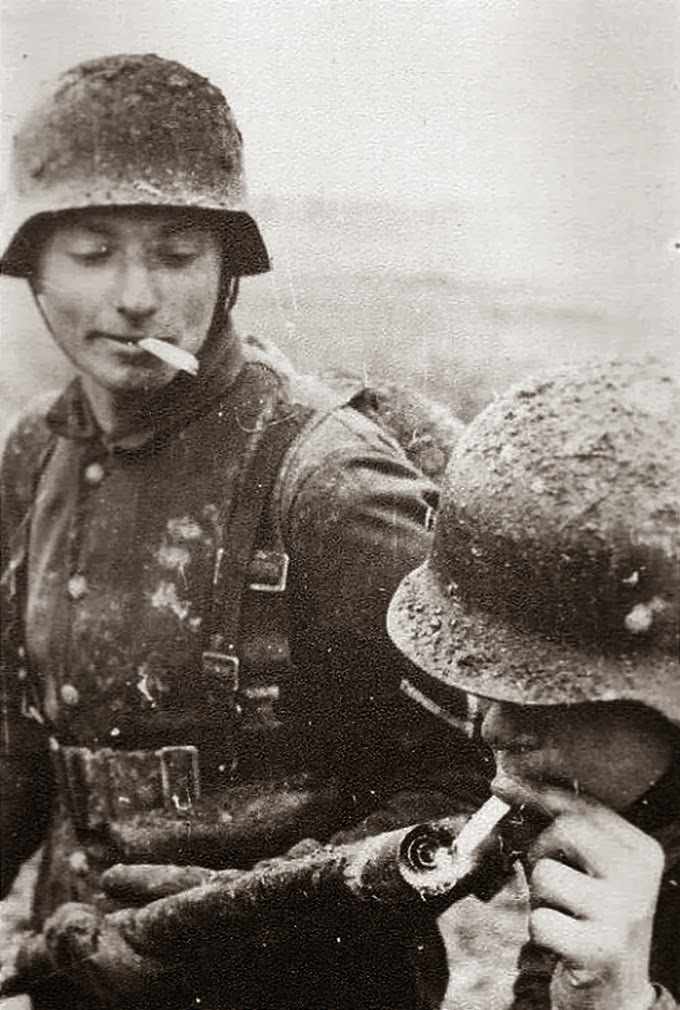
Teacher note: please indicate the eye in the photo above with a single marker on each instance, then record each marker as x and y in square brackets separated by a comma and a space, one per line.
[180, 246]
[91, 253]
[177, 257]
[176, 254]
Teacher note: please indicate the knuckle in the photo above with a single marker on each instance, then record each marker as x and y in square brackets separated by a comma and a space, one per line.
[541, 874]
[540, 923]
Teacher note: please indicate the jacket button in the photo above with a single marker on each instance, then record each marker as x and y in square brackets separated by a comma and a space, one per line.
[76, 587]
[94, 473]
[70, 694]
[79, 863]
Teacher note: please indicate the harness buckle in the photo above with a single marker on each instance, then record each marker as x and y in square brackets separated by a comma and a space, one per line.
[270, 569]
[223, 667]
[180, 777]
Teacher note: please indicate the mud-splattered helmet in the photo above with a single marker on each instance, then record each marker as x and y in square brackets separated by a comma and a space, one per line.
[130, 130]
[554, 575]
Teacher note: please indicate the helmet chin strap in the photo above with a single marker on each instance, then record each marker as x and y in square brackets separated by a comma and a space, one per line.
[41, 308]
[227, 297]
[232, 293]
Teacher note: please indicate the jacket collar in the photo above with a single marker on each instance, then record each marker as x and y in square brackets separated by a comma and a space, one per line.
[165, 410]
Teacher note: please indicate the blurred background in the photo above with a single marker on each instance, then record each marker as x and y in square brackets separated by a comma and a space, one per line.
[454, 193]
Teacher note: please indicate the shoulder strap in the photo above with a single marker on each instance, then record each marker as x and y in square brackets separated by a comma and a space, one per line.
[278, 425]
[247, 628]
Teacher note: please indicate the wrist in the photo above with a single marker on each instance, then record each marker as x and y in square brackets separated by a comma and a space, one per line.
[579, 989]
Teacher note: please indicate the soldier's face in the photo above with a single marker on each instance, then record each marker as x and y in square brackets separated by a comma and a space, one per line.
[613, 751]
[107, 278]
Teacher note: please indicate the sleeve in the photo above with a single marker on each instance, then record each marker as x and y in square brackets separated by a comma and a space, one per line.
[531, 988]
[356, 525]
[25, 773]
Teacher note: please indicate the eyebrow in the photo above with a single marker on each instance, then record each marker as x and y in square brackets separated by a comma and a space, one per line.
[180, 227]
[97, 229]
[167, 230]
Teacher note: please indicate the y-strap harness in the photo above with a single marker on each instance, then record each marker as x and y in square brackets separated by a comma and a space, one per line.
[251, 573]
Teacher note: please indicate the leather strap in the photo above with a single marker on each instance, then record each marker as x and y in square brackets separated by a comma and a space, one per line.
[250, 523]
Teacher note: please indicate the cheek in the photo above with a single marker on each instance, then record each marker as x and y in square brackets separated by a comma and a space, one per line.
[70, 307]
[598, 764]
[581, 748]
[193, 298]
[583, 762]
[198, 307]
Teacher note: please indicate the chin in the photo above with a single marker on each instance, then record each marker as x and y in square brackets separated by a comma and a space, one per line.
[133, 382]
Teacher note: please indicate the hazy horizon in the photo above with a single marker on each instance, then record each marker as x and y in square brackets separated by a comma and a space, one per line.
[451, 175]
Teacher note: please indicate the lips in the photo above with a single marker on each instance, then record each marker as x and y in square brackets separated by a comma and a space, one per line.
[126, 339]
[119, 338]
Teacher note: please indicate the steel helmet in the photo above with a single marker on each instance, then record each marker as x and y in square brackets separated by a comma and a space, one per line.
[554, 573]
[130, 130]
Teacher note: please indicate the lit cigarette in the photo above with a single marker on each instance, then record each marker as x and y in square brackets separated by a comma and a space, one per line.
[481, 826]
[171, 355]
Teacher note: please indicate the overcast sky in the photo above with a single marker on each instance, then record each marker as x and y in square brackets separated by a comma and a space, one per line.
[551, 124]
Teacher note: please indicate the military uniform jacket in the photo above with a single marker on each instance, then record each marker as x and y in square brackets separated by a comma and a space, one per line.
[110, 548]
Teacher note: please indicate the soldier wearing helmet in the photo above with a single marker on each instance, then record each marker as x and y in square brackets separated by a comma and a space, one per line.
[196, 567]
[551, 593]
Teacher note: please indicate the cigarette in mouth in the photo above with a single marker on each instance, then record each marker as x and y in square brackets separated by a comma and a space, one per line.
[171, 355]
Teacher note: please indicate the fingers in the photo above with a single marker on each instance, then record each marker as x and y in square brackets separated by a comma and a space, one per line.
[141, 883]
[601, 843]
[563, 889]
[594, 881]
[591, 949]
[577, 942]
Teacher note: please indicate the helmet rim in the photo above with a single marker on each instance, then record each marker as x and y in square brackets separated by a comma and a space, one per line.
[250, 255]
[129, 130]
[469, 648]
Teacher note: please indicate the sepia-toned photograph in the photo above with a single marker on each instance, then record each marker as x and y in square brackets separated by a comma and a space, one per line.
[339, 505]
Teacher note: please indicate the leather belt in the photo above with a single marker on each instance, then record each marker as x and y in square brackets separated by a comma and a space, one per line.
[105, 785]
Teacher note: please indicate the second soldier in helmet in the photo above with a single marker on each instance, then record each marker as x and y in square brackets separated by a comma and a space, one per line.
[552, 594]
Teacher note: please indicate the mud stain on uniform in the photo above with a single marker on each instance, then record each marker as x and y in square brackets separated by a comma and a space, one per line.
[173, 554]
[174, 557]
[143, 685]
[166, 598]
[185, 529]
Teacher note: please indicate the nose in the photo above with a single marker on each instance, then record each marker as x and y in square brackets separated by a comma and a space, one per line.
[511, 727]
[136, 295]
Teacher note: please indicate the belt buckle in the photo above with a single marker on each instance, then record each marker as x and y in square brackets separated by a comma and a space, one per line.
[180, 777]
[270, 562]
[224, 667]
